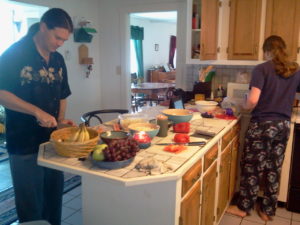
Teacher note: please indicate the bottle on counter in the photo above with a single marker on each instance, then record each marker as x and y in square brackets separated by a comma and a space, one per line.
[163, 122]
[220, 92]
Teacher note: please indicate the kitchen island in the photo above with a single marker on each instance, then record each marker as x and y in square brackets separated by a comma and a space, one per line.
[194, 187]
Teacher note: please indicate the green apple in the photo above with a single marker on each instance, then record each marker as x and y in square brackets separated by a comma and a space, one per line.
[98, 152]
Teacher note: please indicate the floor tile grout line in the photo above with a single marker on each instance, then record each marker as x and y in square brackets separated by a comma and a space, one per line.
[71, 215]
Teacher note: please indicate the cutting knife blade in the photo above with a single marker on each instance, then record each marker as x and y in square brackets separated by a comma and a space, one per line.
[195, 143]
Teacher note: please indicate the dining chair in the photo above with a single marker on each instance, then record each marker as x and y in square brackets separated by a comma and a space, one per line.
[86, 117]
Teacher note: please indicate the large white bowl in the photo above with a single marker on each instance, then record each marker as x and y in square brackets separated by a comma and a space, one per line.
[206, 106]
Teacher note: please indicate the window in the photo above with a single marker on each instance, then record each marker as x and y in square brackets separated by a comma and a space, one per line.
[133, 62]
[15, 19]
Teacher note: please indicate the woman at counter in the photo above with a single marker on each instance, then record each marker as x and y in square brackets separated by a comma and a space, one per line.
[272, 91]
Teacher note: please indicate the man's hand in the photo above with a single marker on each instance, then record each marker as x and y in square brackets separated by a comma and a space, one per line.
[45, 120]
[62, 122]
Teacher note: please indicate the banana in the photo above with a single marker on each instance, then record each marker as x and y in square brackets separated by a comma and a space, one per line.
[74, 136]
[87, 135]
[2, 128]
[81, 136]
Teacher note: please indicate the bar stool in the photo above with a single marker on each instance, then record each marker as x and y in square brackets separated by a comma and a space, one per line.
[86, 117]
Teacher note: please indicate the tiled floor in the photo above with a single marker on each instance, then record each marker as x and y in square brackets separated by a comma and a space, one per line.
[283, 217]
[72, 215]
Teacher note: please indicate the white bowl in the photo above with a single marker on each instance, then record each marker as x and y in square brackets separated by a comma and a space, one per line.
[205, 106]
[129, 118]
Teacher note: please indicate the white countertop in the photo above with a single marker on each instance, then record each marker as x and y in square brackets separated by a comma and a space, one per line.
[177, 163]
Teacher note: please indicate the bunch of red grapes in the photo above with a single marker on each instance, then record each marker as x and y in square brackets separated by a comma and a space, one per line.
[119, 150]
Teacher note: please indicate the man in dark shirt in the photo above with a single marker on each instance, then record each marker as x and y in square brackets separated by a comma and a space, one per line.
[33, 89]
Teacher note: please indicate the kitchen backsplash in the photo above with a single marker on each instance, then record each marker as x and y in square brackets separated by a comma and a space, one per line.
[224, 74]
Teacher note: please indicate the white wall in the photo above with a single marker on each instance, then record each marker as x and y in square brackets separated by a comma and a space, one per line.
[155, 32]
[109, 83]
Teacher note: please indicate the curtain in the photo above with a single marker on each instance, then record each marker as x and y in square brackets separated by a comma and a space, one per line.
[137, 35]
[172, 50]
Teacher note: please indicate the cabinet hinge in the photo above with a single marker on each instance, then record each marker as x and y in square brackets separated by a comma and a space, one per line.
[217, 174]
[220, 3]
[218, 49]
[229, 3]
[227, 50]
[214, 219]
[180, 221]
[298, 50]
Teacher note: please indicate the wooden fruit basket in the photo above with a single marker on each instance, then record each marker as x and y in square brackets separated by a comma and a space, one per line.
[73, 149]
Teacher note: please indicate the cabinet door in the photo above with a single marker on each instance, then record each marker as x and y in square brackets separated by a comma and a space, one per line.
[244, 29]
[283, 19]
[208, 196]
[209, 29]
[226, 139]
[191, 177]
[233, 166]
[210, 156]
[190, 207]
[224, 178]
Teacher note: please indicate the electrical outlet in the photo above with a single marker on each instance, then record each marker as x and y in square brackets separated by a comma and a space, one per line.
[118, 70]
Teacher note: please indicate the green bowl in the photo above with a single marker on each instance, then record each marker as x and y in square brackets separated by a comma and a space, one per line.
[178, 115]
[150, 128]
[109, 136]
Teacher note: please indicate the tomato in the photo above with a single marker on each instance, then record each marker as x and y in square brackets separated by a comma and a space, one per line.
[182, 138]
[183, 127]
[175, 148]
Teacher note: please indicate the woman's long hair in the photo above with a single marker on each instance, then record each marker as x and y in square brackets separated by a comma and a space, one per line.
[277, 47]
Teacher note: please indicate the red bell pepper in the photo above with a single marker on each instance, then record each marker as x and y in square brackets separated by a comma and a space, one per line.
[175, 148]
[182, 138]
[183, 127]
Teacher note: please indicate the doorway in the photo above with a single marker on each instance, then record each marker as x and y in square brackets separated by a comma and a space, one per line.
[180, 8]
[152, 55]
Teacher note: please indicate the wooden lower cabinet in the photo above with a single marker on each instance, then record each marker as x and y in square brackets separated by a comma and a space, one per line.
[191, 176]
[208, 196]
[190, 207]
[224, 181]
[233, 166]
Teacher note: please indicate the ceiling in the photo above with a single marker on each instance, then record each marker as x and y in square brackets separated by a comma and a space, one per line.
[169, 16]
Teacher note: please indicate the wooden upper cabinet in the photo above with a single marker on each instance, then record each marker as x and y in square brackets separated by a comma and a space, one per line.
[283, 19]
[244, 29]
[209, 29]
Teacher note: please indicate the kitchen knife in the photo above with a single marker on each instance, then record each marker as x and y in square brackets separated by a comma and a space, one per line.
[195, 143]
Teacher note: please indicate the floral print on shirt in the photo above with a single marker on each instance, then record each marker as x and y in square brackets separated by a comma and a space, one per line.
[43, 75]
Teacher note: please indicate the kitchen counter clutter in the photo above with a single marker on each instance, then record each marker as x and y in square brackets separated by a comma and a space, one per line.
[172, 193]
[173, 165]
